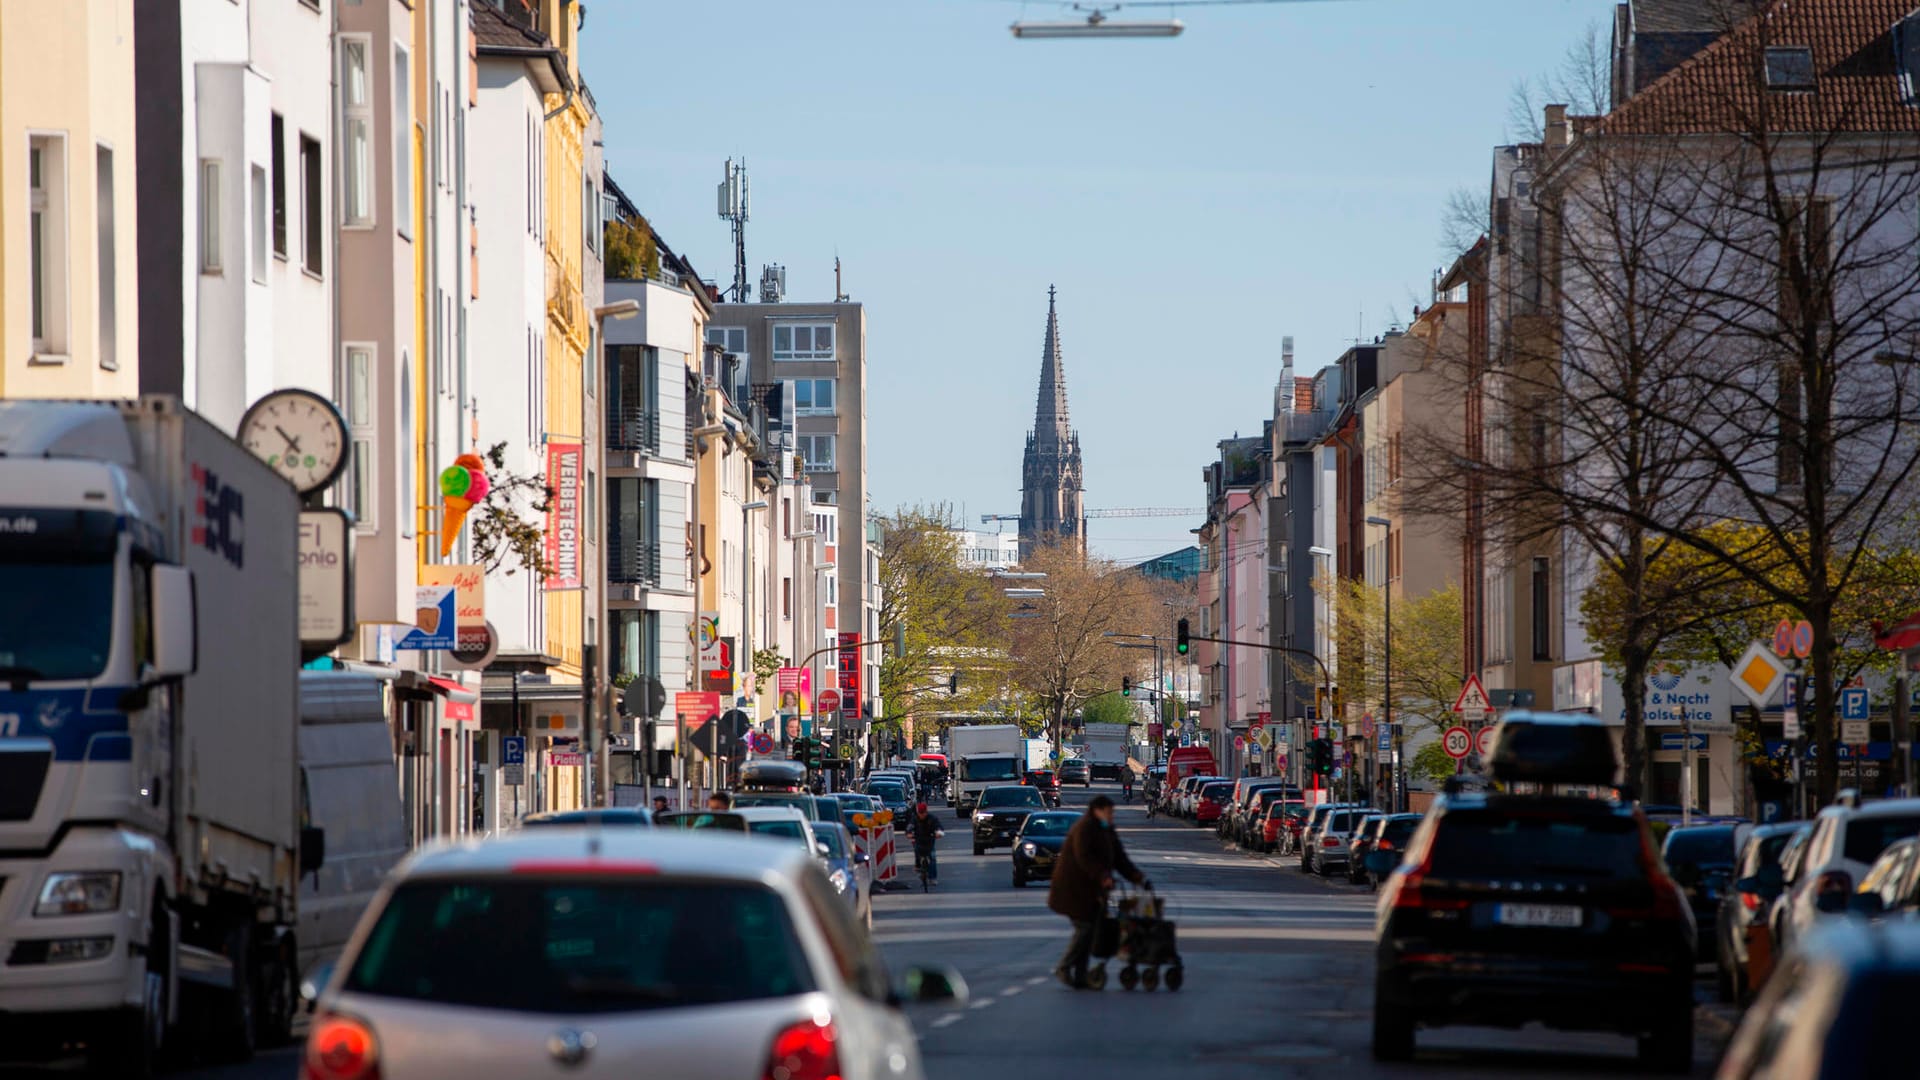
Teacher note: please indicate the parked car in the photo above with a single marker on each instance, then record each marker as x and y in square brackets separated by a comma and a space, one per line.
[1765, 941]
[814, 807]
[1310, 833]
[1701, 860]
[1846, 840]
[1840, 1007]
[1211, 800]
[1185, 795]
[1245, 795]
[778, 822]
[1891, 888]
[1046, 783]
[846, 868]
[1252, 824]
[628, 816]
[705, 957]
[1512, 909]
[1076, 771]
[1282, 825]
[1333, 841]
[1385, 835]
[1038, 842]
[1001, 811]
[1743, 905]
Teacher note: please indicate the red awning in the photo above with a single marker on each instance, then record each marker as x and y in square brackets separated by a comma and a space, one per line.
[1899, 637]
[460, 700]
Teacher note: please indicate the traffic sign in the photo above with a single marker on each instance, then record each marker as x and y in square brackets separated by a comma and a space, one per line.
[1239, 742]
[513, 750]
[1790, 711]
[761, 742]
[1473, 703]
[1677, 740]
[1853, 732]
[1366, 725]
[1758, 673]
[1803, 639]
[1457, 742]
[1783, 638]
[1853, 704]
[829, 701]
[1484, 742]
[1265, 736]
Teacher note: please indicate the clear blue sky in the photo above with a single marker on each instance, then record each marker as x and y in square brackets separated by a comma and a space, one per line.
[1276, 170]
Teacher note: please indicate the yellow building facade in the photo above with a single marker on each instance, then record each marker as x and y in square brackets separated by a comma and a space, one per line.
[69, 306]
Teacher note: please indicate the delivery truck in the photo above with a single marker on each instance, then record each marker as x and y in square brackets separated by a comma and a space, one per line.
[980, 756]
[151, 838]
[1106, 750]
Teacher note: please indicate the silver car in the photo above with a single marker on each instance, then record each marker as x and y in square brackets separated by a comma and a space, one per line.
[607, 953]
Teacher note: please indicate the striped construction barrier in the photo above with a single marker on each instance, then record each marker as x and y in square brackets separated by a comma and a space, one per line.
[874, 838]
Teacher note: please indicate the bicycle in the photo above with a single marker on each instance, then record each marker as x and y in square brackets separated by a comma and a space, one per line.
[920, 867]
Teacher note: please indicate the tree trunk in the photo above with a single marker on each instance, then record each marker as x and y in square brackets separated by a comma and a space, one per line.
[1633, 739]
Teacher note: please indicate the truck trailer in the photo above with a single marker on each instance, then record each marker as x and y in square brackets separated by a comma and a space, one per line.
[151, 839]
[980, 756]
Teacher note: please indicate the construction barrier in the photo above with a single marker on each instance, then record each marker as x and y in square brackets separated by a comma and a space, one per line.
[875, 839]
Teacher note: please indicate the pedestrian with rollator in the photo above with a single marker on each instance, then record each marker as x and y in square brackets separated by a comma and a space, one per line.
[1082, 876]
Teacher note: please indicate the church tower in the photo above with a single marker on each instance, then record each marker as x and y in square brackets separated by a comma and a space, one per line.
[1051, 510]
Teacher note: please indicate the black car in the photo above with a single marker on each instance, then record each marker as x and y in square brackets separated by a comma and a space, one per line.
[1037, 844]
[1701, 859]
[1513, 909]
[1076, 771]
[1386, 836]
[1001, 811]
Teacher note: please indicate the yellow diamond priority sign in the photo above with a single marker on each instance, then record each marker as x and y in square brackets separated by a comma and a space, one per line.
[1758, 674]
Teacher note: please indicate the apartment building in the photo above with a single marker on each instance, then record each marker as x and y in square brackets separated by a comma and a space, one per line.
[69, 223]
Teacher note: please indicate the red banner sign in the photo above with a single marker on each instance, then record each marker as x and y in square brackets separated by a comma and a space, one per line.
[850, 673]
[563, 521]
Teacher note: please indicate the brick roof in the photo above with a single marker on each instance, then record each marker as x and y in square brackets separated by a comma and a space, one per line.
[1857, 84]
[492, 27]
[1679, 16]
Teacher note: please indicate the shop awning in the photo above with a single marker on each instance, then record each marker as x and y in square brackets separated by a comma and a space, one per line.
[460, 700]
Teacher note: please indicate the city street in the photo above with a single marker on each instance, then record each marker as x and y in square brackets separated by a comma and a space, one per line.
[1278, 979]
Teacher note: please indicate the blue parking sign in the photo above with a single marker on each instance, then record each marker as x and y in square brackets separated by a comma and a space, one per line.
[513, 750]
[1853, 704]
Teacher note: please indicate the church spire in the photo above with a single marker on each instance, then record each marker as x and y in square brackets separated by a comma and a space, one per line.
[1050, 410]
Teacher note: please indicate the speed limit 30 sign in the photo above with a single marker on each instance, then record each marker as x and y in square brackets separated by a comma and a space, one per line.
[1457, 742]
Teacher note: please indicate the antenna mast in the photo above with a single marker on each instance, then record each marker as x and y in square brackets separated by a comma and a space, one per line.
[733, 207]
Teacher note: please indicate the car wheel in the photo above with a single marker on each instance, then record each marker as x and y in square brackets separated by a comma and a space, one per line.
[1019, 879]
[1392, 1031]
[1669, 1048]
[979, 849]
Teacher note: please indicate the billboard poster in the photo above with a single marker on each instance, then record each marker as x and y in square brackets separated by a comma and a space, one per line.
[563, 520]
[469, 607]
[796, 689]
[433, 619]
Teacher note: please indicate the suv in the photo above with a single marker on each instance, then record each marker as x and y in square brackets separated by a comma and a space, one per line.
[1846, 840]
[1515, 909]
[1001, 811]
[1310, 833]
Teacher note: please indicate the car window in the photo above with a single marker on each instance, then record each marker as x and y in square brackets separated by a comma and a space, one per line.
[1765, 852]
[1010, 797]
[580, 946]
[1700, 847]
[1002, 769]
[835, 841]
[1868, 836]
[1399, 832]
[1477, 842]
[702, 819]
[853, 952]
[1339, 821]
[785, 830]
[1047, 825]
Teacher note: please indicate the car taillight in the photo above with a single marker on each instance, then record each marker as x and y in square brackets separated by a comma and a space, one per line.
[1411, 895]
[807, 1050]
[1328, 841]
[1668, 901]
[342, 1048]
[1384, 845]
[1751, 901]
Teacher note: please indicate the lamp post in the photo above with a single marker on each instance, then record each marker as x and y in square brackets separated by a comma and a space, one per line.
[1327, 554]
[1159, 692]
[1399, 769]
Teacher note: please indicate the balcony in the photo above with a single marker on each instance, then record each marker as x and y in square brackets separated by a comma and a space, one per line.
[633, 562]
[632, 429]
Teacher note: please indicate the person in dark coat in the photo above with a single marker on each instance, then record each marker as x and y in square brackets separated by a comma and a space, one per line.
[1082, 875]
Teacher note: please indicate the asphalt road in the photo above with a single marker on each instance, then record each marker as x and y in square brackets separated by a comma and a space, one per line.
[1279, 980]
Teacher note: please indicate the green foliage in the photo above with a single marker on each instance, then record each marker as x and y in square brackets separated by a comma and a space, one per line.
[1427, 659]
[631, 252]
[1108, 708]
[508, 527]
[766, 664]
[1431, 763]
[951, 618]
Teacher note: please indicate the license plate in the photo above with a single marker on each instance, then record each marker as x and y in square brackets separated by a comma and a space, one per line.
[1550, 915]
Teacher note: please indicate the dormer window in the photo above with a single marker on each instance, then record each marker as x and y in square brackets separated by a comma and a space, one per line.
[1906, 39]
[1790, 67]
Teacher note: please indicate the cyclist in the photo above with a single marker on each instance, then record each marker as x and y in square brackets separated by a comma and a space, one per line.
[1126, 784]
[926, 830]
[1151, 793]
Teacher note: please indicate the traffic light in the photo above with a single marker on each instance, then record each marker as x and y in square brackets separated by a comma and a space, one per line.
[1126, 686]
[1180, 643]
[1320, 757]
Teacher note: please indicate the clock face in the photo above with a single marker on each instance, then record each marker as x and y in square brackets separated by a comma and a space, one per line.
[300, 435]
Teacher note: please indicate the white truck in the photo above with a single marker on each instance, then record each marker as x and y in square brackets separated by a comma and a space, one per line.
[151, 809]
[980, 756]
[1106, 750]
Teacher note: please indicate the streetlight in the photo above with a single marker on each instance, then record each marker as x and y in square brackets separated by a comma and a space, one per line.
[1386, 584]
[1097, 25]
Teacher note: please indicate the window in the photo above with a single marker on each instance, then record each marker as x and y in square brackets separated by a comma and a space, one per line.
[813, 397]
[402, 142]
[209, 216]
[439, 335]
[360, 430]
[438, 106]
[1906, 37]
[731, 339]
[107, 257]
[589, 211]
[258, 189]
[825, 498]
[47, 242]
[1542, 609]
[818, 452]
[313, 233]
[1789, 67]
[278, 148]
[356, 108]
[587, 498]
[803, 341]
[408, 507]
[786, 598]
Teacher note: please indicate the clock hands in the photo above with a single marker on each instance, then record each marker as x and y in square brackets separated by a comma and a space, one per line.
[292, 443]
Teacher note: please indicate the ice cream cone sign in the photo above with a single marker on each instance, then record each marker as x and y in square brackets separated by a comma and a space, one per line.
[462, 485]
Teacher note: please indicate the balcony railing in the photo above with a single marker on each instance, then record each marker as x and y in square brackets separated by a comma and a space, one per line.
[633, 562]
[633, 429]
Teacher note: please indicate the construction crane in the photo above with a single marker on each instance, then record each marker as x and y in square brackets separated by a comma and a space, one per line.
[1118, 512]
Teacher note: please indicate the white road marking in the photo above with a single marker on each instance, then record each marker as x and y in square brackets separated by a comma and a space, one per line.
[1036, 980]
[1012, 990]
[981, 1004]
[949, 1019]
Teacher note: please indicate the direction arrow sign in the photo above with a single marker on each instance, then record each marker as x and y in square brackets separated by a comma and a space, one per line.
[1473, 702]
[1457, 742]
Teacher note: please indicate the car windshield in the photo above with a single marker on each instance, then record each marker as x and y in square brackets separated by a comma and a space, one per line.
[573, 947]
[1216, 792]
[1398, 832]
[703, 819]
[1476, 843]
[590, 817]
[835, 841]
[786, 830]
[989, 769]
[1711, 846]
[888, 793]
[59, 621]
[1868, 836]
[802, 803]
[1049, 824]
[999, 797]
